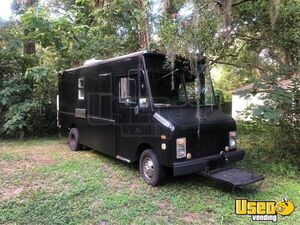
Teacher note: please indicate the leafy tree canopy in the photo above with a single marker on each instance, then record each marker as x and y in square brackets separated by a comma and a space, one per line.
[249, 41]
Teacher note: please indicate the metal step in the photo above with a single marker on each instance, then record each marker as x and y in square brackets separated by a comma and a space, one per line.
[234, 176]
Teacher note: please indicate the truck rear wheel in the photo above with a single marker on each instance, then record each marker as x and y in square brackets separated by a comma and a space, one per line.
[74, 140]
[150, 169]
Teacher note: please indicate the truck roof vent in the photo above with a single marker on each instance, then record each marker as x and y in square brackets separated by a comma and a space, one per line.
[91, 61]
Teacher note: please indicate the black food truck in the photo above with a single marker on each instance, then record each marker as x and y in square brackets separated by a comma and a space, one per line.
[137, 108]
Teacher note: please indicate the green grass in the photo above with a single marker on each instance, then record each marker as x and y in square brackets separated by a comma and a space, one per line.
[42, 182]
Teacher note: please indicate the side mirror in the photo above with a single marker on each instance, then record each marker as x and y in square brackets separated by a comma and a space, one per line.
[132, 87]
[128, 90]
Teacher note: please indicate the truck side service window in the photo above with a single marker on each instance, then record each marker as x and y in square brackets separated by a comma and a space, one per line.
[105, 97]
[105, 82]
[100, 96]
[127, 90]
[81, 88]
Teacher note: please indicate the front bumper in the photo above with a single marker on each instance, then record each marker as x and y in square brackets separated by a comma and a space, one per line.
[200, 164]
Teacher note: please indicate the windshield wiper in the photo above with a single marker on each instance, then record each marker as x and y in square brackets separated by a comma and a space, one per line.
[169, 74]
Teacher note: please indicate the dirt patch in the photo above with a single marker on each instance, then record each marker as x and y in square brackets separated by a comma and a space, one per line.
[30, 183]
[164, 204]
[111, 178]
[204, 216]
[18, 176]
[33, 159]
[134, 187]
[30, 157]
[8, 169]
[165, 208]
[96, 204]
[10, 193]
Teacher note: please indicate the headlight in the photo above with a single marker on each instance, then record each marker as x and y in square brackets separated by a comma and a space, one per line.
[232, 142]
[232, 139]
[180, 148]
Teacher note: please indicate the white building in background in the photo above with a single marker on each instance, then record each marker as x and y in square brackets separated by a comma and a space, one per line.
[242, 99]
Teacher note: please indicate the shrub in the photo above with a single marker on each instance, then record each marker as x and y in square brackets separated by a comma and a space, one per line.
[271, 142]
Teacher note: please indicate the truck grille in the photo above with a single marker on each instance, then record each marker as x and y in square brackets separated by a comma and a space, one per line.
[208, 143]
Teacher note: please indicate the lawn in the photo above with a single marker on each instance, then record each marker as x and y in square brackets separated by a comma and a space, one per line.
[42, 182]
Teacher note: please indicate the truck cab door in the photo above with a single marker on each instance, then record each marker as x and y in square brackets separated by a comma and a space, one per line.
[130, 114]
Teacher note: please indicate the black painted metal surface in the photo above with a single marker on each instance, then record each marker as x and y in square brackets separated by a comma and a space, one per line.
[234, 176]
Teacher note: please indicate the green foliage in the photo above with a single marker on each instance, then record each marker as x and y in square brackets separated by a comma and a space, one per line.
[71, 31]
[229, 78]
[278, 118]
[18, 118]
[84, 30]
[271, 142]
[11, 91]
[189, 36]
[13, 107]
[27, 106]
[36, 73]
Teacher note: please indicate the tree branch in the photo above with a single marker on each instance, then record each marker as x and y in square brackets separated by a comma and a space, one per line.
[240, 2]
[254, 66]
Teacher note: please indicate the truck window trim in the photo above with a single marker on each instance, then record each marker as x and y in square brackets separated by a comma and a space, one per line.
[81, 84]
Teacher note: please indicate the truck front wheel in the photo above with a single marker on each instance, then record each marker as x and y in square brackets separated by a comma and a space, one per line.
[150, 169]
[74, 140]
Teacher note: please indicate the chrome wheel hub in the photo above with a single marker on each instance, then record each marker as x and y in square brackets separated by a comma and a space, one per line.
[148, 168]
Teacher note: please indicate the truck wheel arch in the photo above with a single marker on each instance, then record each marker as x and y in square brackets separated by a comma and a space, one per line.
[72, 126]
[142, 147]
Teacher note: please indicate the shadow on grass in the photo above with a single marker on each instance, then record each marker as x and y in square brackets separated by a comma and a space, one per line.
[181, 182]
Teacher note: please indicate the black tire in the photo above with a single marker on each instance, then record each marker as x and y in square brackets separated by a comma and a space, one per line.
[156, 173]
[74, 140]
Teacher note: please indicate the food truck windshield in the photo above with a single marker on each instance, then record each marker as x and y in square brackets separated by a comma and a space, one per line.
[177, 86]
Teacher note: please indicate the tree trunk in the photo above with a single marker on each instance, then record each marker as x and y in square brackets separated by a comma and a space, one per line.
[28, 45]
[100, 3]
[225, 11]
[143, 29]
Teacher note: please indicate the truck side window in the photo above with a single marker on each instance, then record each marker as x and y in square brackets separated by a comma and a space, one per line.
[128, 92]
[81, 88]
[143, 100]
